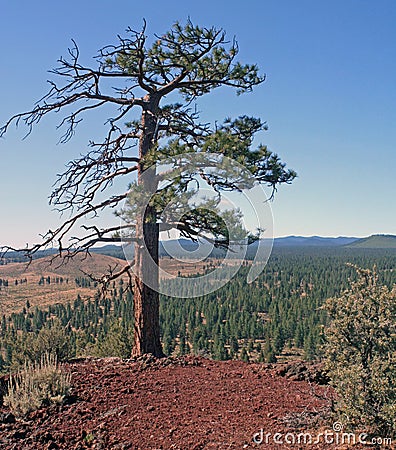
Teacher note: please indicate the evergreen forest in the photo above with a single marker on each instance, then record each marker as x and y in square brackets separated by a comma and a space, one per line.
[277, 317]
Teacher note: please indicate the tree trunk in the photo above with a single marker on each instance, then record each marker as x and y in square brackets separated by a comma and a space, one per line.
[146, 297]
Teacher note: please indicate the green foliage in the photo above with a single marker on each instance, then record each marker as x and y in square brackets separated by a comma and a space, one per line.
[281, 308]
[269, 353]
[310, 346]
[360, 351]
[191, 61]
[116, 342]
[223, 159]
[51, 339]
[197, 56]
[37, 385]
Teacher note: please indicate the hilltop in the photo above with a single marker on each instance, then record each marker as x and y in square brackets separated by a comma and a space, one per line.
[313, 241]
[375, 241]
[180, 403]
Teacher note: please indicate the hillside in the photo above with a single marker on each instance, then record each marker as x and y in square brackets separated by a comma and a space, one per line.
[46, 281]
[375, 241]
[287, 295]
[29, 282]
[95, 263]
[183, 403]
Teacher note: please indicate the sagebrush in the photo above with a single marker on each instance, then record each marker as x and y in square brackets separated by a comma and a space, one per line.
[37, 385]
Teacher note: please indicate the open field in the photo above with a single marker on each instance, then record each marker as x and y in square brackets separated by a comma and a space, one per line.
[28, 282]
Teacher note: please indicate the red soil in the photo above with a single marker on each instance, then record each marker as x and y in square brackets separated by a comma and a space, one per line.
[186, 403]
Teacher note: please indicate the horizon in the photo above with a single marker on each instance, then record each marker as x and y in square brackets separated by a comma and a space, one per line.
[98, 246]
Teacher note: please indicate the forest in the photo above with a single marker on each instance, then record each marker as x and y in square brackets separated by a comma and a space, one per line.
[277, 317]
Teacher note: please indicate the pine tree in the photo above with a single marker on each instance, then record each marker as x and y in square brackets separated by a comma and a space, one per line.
[116, 342]
[269, 352]
[136, 80]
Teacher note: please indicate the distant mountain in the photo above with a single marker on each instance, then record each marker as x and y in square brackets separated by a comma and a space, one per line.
[313, 241]
[115, 251]
[183, 247]
[375, 241]
[186, 248]
[289, 241]
[13, 256]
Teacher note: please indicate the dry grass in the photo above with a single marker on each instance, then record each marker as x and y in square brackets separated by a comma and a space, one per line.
[37, 385]
[14, 297]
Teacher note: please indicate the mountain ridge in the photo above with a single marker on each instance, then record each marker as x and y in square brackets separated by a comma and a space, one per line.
[375, 241]
[174, 246]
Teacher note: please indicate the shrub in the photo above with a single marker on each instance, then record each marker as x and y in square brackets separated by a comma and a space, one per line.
[37, 385]
[53, 338]
[30, 347]
[360, 352]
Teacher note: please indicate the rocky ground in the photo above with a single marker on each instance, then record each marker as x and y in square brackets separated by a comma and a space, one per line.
[183, 403]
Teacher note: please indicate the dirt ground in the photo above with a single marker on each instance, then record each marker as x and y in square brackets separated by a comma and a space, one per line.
[183, 403]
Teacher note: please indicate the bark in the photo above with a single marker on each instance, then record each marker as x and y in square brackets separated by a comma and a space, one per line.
[146, 297]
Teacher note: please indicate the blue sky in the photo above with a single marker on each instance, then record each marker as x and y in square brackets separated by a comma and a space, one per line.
[329, 101]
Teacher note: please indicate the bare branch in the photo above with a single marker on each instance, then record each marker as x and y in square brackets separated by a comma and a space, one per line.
[111, 275]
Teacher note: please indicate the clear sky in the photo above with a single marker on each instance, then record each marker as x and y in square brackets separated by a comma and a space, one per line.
[329, 100]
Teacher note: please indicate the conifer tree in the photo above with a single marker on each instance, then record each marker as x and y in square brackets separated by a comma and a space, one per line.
[138, 78]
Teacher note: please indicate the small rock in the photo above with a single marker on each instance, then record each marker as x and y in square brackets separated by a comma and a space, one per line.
[7, 418]
[47, 437]
[19, 434]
